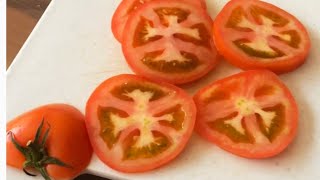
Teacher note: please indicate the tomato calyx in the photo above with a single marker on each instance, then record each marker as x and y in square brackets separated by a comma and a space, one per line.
[36, 154]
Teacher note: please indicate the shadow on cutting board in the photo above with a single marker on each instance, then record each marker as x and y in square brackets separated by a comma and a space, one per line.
[89, 177]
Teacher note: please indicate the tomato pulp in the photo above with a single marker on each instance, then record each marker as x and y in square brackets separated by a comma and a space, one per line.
[127, 7]
[252, 34]
[251, 114]
[170, 41]
[136, 125]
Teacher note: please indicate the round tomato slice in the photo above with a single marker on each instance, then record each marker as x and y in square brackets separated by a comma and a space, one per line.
[251, 114]
[252, 34]
[170, 41]
[125, 9]
[137, 125]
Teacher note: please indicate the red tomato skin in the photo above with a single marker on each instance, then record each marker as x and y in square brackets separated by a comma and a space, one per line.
[137, 169]
[117, 24]
[67, 141]
[203, 4]
[246, 63]
[204, 132]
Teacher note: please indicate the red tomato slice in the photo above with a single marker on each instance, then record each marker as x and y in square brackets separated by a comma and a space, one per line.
[127, 7]
[251, 114]
[252, 34]
[137, 125]
[170, 41]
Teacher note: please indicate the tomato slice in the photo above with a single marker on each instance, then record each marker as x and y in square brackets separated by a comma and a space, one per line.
[252, 34]
[137, 125]
[170, 41]
[251, 114]
[126, 8]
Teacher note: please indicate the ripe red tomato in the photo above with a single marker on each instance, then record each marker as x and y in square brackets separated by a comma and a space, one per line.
[253, 34]
[169, 41]
[203, 3]
[125, 9]
[136, 125]
[67, 139]
[251, 114]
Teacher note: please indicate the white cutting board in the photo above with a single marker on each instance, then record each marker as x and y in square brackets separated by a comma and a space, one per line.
[72, 50]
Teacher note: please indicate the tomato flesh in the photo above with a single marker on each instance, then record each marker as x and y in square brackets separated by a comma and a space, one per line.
[263, 31]
[136, 125]
[251, 114]
[127, 7]
[254, 34]
[171, 42]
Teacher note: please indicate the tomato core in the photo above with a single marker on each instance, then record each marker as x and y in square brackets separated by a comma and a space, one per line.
[171, 60]
[264, 24]
[271, 120]
[145, 142]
